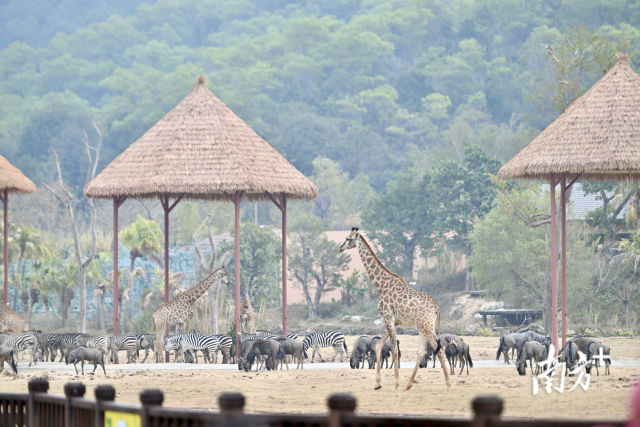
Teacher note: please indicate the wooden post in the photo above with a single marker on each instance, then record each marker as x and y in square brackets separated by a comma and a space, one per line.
[283, 204]
[116, 205]
[339, 404]
[71, 390]
[486, 409]
[236, 202]
[554, 271]
[149, 398]
[5, 201]
[103, 393]
[165, 205]
[36, 385]
[563, 259]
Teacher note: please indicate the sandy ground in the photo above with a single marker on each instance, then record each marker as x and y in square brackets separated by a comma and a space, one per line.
[306, 391]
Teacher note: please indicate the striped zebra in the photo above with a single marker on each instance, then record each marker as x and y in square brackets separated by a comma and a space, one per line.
[21, 342]
[68, 341]
[317, 340]
[226, 345]
[46, 342]
[174, 343]
[101, 343]
[260, 335]
[145, 342]
[191, 342]
[128, 343]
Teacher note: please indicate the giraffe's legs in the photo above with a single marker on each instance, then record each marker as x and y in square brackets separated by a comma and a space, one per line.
[379, 345]
[422, 352]
[157, 342]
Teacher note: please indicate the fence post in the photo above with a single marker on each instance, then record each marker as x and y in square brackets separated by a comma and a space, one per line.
[148, 398]
[36, 385]
[104, 393]
[71, 389]
[231, 407]
[339, 404]
[485, 410]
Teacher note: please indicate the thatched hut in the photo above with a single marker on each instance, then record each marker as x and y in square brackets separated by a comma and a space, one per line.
[202, 150]
[596, 138]
[12, 181]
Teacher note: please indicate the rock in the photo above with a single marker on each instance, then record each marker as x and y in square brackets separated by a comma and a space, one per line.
[356, 319]
[478, 316]
[378, 322]
[492, 305]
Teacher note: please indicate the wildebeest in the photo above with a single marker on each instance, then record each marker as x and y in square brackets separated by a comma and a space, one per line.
[268, 348]
[361, 351]
[569, 354]
[82, 354]
[7, 355]
[532, 351]
[593, 349]
[295, 349]
[515, 341]
[385, 354]
[460, 350]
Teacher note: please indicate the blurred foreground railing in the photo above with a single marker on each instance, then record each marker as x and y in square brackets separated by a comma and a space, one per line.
[40, 409]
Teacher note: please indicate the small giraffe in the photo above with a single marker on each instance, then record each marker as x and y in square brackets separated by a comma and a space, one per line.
[11, 321]
[247, 319]
[399, 305]
[179, 310]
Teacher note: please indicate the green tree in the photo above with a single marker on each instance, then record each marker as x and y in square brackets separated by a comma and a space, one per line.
[260, 255]
[143, 238]
[614, 197]
[462, 193]
[314, 260]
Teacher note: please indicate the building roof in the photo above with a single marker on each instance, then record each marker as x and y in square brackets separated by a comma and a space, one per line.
[598, 136]
[582, 204]
[200, 149]
[13, 180]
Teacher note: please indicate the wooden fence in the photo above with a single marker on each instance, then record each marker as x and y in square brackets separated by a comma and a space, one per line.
[37, 408]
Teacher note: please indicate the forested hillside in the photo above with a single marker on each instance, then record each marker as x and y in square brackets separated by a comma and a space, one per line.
[373, 85]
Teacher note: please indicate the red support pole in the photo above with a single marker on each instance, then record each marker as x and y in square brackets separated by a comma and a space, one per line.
[165, 205]
[236, 201]
[6, 246]
[554, 283]
[116, 204]
[563, 236]
[283, 204]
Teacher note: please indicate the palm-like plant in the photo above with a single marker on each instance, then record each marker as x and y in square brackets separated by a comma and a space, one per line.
[124, 293]
[42, 280]
[67, 277]
[143, 238]
[28, 241]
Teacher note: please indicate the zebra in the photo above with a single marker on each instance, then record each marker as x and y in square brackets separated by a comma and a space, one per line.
[21, 342]
[99, 343]
[145, 342]
[174, 343]
[68, 341]
[191, 342]
[226, 344]
[317, 340]
[260, 335]
[123, 342]
[47, 345]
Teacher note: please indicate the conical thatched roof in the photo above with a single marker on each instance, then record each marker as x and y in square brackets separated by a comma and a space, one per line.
[13, 180]
[200, 148]
[598, 135]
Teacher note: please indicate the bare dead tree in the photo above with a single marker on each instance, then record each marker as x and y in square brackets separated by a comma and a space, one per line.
[67, 200]
[210, 265]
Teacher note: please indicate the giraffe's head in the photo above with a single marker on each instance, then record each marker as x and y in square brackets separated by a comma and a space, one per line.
[222, 275]
[351, 240]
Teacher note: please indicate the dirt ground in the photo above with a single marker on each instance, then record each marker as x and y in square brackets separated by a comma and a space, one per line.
[306, 391]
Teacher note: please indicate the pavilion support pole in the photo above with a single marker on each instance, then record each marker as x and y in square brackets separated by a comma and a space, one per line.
[283, 204]
[5, 201]
[164, 201]
[115, 267]
[554, 284]
[236, 201]
[563, 259]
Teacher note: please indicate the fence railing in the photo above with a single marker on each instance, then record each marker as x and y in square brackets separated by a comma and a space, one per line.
[37, 408]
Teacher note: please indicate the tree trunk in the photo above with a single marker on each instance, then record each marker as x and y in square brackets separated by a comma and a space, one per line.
[626, 313]
[103, 327]
[313, 311]
[214, 296]
[589, 311]
[82, 310]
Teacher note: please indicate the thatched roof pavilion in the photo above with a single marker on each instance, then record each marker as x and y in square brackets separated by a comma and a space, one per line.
[596, 138]
[202, 150]
[12, 181]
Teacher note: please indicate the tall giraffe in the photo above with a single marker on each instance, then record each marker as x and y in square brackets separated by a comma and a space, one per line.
[179, 310]
[399, 305]
[12, 321]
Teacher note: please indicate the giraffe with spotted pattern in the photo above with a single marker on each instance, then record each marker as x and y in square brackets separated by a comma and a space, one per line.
[399, 305]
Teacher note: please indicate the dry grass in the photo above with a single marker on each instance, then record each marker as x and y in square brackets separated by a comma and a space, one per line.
[13, 179]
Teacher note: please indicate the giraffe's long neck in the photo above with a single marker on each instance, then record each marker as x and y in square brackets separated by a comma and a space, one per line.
[197, 291]
[377, 272]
